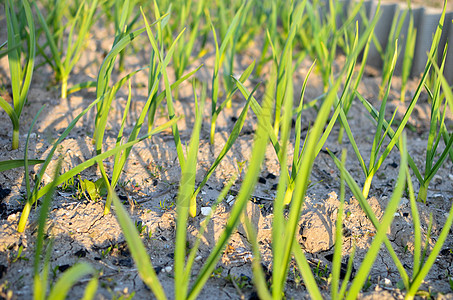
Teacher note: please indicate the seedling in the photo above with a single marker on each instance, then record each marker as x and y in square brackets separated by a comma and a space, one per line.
[183, 53]
[215, 109]
[166, 205]
[20, 75]
[41, 272]
[68, 185]
[411, 37]
[240, 282]
[80, 24]
[141, 228]
[217, 273]
[240, 165]
[19, 255]
[367, 284]
[383, 125]
[297, 276]
[321, 273]
[91, 190]
[106, 252]
[287, 24]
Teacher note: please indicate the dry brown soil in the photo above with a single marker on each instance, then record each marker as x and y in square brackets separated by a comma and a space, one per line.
[150, 181]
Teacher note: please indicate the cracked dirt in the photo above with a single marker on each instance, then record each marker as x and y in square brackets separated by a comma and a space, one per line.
[149, 188]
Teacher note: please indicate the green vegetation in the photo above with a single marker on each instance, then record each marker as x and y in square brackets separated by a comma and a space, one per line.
[20, 74]
[181, 32]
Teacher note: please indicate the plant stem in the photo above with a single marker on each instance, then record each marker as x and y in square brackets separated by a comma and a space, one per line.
[367, 185]
[64, 87]
[423, 192]
[214, 118]
[24, 217]
[15, 137]
[288, 195]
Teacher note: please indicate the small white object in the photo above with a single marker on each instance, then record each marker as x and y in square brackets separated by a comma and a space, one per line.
[450, 176]
[198, 258]
[437, 179]
[230, 200]
[404, 201]
[205, 211]
[168, 269]
[438, 196]
[387, 282]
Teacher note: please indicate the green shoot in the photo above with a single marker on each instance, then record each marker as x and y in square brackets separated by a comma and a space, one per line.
[183, 52]
[17, 163]
[138, 251]
[393, 135]
[230, 142]
[219, 54]
[391, 48]
[258, 152]
[382, 226]
[437, 127]
[61, 288]
[409, 50]
[20, 77]
[80, 25]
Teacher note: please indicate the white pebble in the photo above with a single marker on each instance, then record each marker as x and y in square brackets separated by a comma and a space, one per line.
[387, 282]
[168, 269]
[404, 201]
[198, 258]
[230, 200]
[438, 196]
[437, 179]
[205, 211]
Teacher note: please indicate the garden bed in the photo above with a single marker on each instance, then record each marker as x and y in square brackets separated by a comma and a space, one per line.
[149, 184]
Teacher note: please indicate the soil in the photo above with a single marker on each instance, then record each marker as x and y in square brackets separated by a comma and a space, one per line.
[149, 186]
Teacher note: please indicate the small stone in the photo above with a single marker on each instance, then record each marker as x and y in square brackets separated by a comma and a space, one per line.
[403, 202]
[437, 179]
[198, 258]
[32, 135]
[205, 211]
[168, 269]
[230, 200]
[438, 197]
[387, 282]
[12, 218]
[450, 176]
